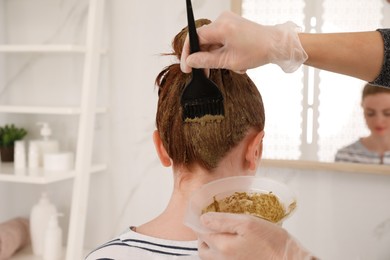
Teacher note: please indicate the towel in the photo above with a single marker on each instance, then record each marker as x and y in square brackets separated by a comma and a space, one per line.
[14, 235]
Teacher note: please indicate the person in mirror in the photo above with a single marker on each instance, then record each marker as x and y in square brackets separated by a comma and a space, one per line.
[198, 153]
[375, 148]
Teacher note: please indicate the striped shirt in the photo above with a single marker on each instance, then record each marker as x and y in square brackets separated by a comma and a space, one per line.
[132, 245]
[358, 153]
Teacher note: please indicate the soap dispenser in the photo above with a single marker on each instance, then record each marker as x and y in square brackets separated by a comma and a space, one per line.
[52, 249]
[39, 218]
[46, 144]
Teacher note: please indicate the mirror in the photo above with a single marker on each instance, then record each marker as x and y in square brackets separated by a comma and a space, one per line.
[310, 114]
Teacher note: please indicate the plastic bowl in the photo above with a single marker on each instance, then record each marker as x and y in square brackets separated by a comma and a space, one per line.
[225, 187]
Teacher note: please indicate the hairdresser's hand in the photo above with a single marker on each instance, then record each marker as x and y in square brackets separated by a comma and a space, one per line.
[235, 43]
[244, 237]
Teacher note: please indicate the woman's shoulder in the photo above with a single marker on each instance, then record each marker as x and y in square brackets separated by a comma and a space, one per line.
[356, 153]
[353, 147]
[112, 249]
[132, 245]
[349, 152]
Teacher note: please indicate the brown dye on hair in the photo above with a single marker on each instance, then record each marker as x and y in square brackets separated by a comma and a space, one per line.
[205, 119]
[205, 143]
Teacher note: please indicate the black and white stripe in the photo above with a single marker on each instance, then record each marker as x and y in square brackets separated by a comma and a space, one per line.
[358, 153]
[132, 245]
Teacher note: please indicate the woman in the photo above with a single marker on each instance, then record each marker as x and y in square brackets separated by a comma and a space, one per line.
[374, 148]
[198, 153]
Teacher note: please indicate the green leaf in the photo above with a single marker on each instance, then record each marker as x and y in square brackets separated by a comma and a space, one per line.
[9, 134]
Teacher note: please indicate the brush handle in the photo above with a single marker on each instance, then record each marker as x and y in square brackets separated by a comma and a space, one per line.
[194, 41]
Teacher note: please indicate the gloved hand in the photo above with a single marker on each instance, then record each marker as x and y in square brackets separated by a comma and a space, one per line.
[235, 43]
[244, 237]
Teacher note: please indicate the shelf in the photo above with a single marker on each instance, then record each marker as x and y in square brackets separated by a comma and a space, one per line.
[8, 174]
[328, 166]
[89, 54]
[42, 48]
[46, 110]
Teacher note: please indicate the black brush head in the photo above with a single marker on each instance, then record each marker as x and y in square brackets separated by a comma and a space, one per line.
[201, 97]
[199, 109]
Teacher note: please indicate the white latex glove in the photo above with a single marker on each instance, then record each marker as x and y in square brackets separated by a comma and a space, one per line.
[235, 43]
[244, 237]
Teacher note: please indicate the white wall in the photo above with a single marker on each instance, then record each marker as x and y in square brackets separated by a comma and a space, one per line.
[136, 187]
[339, 215]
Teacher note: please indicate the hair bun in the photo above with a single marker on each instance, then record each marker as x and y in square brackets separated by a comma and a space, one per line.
[178, 41]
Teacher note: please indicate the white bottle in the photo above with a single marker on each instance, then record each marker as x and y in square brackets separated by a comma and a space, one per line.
[46, 145]
[20, 158]
[39, 219]
[52, 249]
[33, 158]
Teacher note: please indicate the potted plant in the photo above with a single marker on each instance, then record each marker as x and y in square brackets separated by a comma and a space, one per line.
[8, 135]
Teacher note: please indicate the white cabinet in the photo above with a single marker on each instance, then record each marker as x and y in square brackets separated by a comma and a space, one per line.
[86, 111]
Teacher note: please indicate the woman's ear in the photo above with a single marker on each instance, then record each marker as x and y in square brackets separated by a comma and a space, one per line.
[160, 149]
[254, 151]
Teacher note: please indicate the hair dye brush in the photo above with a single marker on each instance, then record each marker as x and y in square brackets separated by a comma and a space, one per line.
[201, 99]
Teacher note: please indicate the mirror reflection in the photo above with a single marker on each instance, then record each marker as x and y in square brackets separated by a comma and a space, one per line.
[374, 148]
[312, 114]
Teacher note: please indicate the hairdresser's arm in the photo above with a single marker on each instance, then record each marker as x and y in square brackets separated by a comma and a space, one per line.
[235, 43]
[358, 55]
[243, 237]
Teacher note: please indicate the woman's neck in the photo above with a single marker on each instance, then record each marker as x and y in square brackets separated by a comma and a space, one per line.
[170, 223]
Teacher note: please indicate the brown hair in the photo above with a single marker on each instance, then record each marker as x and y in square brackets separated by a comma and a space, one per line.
[188, 144]
[371, 90]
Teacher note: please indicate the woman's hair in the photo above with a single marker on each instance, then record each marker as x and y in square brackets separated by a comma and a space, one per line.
[205, 144]
[371, 90]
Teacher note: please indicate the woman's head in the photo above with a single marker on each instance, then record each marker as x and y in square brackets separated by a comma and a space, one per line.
[376, 106]
[190, 144]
